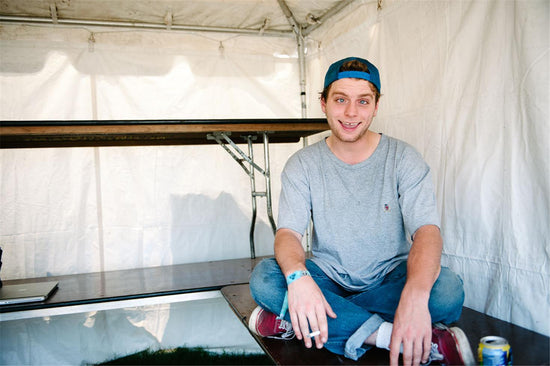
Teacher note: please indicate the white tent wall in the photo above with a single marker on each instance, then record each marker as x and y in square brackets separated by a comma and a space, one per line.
[467, 83]
[142, 206]
[77, 210]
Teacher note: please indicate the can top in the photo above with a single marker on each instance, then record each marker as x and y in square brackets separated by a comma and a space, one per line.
[494, 341]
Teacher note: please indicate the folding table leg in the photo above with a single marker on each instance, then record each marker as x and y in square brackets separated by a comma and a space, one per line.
[239, 156]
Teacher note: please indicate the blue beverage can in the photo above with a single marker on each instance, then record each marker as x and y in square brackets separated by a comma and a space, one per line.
[494, 351]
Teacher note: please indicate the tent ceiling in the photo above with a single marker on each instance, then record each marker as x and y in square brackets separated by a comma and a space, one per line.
[267, 17]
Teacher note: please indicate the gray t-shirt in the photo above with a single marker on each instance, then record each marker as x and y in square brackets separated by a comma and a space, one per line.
[363, 214]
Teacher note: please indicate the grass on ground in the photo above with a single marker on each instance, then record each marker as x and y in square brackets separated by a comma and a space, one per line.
[190, 356]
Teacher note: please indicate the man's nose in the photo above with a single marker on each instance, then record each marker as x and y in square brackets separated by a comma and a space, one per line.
[351, 109]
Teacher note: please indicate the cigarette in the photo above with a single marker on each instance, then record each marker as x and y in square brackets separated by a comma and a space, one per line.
[313, 334]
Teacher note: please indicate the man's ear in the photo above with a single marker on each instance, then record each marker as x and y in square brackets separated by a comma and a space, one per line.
[323, 105]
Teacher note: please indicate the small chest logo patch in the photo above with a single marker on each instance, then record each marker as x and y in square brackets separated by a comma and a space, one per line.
[387, 207]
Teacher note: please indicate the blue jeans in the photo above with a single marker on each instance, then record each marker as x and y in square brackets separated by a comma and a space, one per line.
[359, 313]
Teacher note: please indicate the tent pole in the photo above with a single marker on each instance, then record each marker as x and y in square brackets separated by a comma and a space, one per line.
[57, 22]
[300, 43]
[302, 60]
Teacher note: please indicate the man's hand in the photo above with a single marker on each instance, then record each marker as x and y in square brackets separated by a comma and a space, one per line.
[307, 306]
[308, 309]
[412, 330]
[412, 325]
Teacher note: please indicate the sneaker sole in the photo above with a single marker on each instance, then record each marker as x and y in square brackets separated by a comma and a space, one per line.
[463, 346]
[253, 320]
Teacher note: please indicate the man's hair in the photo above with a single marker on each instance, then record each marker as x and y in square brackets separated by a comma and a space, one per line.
[353, 65]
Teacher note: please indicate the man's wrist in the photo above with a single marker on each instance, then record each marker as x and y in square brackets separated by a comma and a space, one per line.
[295, 275]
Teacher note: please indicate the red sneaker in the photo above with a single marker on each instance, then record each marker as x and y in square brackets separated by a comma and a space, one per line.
[450, 346]
[266, 324]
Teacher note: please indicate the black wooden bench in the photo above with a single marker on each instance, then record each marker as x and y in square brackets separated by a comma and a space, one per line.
[529, 348]
[111, 286]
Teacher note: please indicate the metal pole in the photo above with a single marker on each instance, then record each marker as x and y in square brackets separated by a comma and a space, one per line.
[299, 33]
[297, 28]
[302, 60]
[302, 64]
[253, 196]
[138, 25]
[267, 175]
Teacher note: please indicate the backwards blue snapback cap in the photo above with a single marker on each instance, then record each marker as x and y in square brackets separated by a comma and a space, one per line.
[334, 72]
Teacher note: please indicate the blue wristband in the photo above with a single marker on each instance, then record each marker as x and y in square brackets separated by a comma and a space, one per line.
[295, 275]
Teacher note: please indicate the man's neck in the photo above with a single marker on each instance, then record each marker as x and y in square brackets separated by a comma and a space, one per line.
[354, 152]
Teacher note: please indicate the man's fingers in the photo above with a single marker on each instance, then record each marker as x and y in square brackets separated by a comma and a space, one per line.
[320, 324]
[316, 334]
[427, 349]
[308, 311]
[395, 347]
[323, 328]
[414, 352]
[407, 353]
[304, 328]
[309, 327]
[295, 325]
[328, 310]
[417, 353]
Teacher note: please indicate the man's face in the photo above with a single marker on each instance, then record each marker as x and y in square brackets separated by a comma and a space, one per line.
[350, 107]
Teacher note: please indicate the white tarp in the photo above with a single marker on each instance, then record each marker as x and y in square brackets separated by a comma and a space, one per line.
[466, 82]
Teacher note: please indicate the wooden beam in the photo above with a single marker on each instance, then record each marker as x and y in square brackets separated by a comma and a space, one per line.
[31, 134]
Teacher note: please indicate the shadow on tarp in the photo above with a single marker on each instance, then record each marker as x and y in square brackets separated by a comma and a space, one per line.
[206, 229]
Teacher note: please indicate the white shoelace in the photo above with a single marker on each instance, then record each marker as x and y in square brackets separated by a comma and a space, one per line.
[289, 332]
[434, 355]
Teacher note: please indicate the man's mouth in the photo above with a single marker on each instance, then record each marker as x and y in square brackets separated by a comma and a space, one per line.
[350, 125]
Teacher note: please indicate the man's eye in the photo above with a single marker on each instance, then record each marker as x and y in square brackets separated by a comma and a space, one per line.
[339, 100]
[364, 101]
